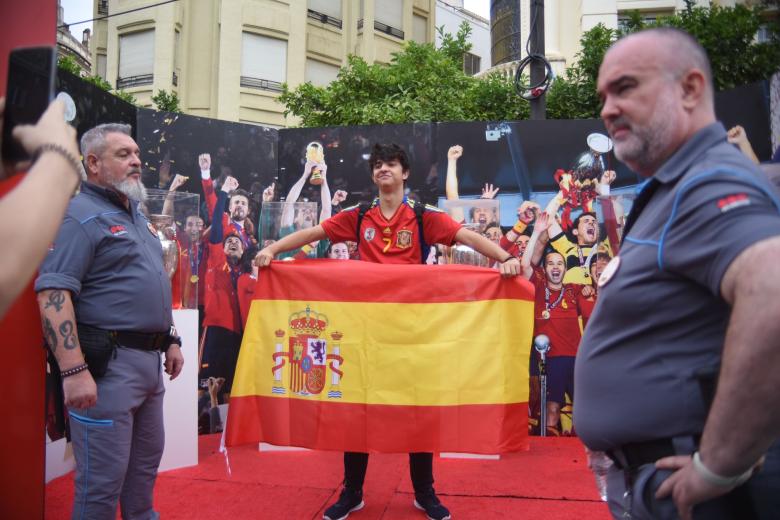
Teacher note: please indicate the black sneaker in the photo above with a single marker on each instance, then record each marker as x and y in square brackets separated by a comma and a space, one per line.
[348, 502]
[432, 507]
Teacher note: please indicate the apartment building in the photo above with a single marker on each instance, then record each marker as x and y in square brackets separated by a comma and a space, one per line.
[227, 59]
[566, 20]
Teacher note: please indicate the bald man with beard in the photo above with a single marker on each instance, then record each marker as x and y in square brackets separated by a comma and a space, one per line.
[677, 368]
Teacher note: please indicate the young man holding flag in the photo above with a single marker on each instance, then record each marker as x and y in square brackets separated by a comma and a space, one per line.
[387, 232]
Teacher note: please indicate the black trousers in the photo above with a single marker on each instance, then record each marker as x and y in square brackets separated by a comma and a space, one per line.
[420, 469]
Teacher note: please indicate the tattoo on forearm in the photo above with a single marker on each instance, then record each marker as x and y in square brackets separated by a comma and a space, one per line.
[56, 300]
[68, 337]
[49, 334]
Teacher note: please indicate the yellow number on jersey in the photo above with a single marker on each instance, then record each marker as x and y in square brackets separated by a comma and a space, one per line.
[387, 241]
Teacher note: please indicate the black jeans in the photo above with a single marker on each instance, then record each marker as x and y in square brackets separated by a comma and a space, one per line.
[420, 469]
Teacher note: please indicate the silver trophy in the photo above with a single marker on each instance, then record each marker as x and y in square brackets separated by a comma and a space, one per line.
[477, 215]
[166, 232]
[590, 165]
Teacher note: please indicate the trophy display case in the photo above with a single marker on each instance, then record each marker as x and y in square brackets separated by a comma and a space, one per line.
[168, 212]
[279, 219]
[476, 215]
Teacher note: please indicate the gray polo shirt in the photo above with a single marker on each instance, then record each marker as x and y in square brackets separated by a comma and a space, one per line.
[110, 260]
[660, 318]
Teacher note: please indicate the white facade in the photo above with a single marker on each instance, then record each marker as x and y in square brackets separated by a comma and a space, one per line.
[566, 20]
[450, 14]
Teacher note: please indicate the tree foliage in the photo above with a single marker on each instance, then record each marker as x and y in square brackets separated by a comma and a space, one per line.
[167, 102]
[421, 83]
[68, 64]
[728, 34]
[424, 83]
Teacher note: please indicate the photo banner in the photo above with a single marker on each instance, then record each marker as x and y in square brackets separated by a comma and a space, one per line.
[354, 356]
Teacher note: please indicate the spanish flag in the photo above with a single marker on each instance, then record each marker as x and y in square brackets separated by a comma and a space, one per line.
[356, 356]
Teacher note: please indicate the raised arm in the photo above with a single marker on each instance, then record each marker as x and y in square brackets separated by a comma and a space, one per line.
[526, 214]
[167, 208]
[325, 200]
[552, 210]
[738, 136]
[533, 251]
[216, 235]
[451, 182]
[204, 162]
[294, 193]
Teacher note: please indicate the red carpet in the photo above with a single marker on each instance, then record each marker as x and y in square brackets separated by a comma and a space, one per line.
[551, 481]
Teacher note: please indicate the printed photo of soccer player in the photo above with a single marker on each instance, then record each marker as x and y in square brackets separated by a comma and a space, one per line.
[558, 308]
[346, 150]
[174, 143]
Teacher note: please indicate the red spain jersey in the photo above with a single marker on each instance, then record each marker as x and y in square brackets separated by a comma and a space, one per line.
[221, 305]
[394, 240]
[586, 308]
[563, 325]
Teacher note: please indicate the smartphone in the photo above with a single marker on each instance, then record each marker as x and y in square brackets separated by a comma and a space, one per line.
[31, 77]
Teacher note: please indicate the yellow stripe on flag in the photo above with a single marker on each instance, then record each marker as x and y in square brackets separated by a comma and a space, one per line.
[424, 354]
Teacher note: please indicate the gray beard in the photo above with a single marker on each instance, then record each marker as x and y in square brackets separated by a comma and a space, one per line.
[134, 190]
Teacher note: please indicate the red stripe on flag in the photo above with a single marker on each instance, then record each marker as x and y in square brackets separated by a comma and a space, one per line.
[334, 426]
[355, 281]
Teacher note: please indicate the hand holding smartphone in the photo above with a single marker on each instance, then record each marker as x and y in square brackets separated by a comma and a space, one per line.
[30, 90]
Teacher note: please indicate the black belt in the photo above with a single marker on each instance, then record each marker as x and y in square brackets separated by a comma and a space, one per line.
[142, 340]
[633, 455]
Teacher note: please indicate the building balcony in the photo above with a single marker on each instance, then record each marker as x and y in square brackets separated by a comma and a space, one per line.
[134, 81]
[324, 18]
[384, 29]
[261, 84]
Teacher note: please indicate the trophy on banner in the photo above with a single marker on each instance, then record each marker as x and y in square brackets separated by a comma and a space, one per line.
[167, 212]
[166, 232]
[315, 153]
[477, 215]
[580, 186]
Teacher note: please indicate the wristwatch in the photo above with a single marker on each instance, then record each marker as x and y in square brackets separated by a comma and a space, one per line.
[173, 337]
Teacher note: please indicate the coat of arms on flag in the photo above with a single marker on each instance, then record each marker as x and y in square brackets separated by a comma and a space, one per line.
[308, 356]
[416, 376]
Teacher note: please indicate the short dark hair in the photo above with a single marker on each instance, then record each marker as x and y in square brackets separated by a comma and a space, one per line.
[230, 235]
[238, 192]
[493, 224]
[583, 214]
[386, 153]
[550, 251]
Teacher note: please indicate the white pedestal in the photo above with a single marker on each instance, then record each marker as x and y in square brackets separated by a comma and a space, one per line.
[180, 410]
[59, 459]
[264, 446]
[483, 456]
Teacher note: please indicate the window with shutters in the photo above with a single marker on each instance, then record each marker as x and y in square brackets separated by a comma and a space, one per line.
[326, 11]
[263, 62]
[320, 73]
[136, 59]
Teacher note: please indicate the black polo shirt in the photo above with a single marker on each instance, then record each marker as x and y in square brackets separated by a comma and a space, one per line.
[660, 318]
[110, 260]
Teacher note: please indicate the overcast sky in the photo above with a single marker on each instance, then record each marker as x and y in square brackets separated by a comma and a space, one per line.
[78, 10]
[481, 7]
